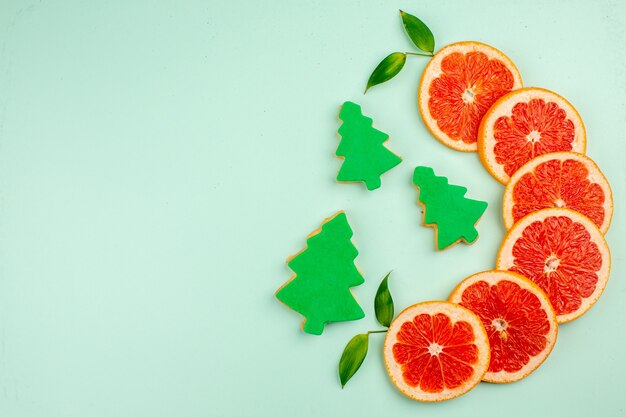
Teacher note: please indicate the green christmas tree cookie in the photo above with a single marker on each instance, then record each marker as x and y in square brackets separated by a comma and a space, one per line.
[325, 271]
[446, 209]
[365, 156]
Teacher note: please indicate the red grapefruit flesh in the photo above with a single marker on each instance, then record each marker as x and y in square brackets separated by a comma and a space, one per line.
[435, 351]
[524, 124]
[564, 253]
[519, 320]
[559, 179]
[457, 88]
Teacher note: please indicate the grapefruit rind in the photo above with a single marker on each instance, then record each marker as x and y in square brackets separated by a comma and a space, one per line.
[493, 277]
[505, 258]
[433, 70]
[595, 176]
[503, 107]
[456, 313]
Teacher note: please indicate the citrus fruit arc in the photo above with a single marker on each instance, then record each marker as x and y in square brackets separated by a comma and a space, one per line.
[564, 253]
[519, 319]
[458, 86]
[436, 351]
[524, 124]
[559, 179]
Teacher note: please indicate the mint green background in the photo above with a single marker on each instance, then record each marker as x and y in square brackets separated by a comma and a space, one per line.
[160, 160]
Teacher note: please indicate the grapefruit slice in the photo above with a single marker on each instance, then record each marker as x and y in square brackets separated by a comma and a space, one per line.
[435, 351]
[518, 317]
[564, 253]
[559, 179]
[524, 124]
[457, 88]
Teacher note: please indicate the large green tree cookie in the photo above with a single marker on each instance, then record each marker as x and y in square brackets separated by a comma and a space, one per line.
[325, 271]
[446, 209]
[365, 156]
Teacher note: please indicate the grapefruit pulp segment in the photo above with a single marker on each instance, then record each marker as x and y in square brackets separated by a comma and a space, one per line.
[436, 351]
[559, 179]
[524, 124]
[519, 320]
[564, 253]
[457, 88]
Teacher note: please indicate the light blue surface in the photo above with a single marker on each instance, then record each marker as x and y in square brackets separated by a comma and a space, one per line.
[160, 160]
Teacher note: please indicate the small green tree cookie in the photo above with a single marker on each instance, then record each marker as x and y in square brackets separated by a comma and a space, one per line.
[365, 156]
[446, 209]
[325, 271]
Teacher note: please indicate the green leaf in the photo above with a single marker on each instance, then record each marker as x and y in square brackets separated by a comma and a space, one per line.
[352, 357]
[419, 33]
[383, 303]
[387, 69]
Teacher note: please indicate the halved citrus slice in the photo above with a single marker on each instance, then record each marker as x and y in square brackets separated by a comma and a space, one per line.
[519, 319]
[524, 124]
[564, 253]
[559, 179]
[457, 88]
[435, 351]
